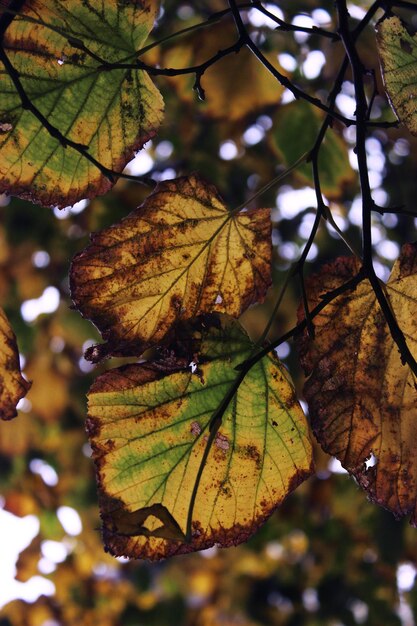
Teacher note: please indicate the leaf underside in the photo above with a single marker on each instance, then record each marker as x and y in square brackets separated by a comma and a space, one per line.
[179, 255]
[113, 112]
[13, 386]
[362, 399]
[149, 425]
[398, 54]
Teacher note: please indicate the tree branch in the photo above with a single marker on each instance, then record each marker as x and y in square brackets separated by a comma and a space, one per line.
[368, 204]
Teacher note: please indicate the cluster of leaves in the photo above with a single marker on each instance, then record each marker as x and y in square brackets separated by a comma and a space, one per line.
[199, 442]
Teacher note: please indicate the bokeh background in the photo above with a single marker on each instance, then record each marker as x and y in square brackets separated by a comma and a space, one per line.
[327, 557]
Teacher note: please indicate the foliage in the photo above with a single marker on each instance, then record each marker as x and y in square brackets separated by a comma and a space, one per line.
[196, 432]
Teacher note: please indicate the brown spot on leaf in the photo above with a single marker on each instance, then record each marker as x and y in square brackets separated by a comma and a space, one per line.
[252, 453]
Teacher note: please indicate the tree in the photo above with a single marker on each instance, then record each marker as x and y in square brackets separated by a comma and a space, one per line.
[196, 431]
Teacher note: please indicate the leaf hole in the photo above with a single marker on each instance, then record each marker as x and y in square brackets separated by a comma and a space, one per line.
[151, 523]
[370, 461]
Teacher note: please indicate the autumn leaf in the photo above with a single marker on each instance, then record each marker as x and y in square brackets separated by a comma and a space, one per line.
[235, 86]
[362, 399]
[13, 386]
[289, 144]
[53, 51]
[178, 255]
[398, 55]
[151, 427]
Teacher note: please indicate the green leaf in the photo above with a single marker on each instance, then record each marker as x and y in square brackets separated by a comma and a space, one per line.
[111, 112]
[398, 54]
[295, 131]
[176, 476]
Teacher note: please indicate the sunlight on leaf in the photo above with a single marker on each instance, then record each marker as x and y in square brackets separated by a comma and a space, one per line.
[13, 387]
[113, 113]
[398, 53]
[151, 424]
[178, 255]
[362, 399]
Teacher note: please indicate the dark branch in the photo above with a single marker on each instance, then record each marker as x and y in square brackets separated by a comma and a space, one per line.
[368, 204]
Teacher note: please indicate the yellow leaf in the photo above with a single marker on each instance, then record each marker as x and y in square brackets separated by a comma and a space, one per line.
[13, 386]
[179, 255]
[172, 477]
[363, 401]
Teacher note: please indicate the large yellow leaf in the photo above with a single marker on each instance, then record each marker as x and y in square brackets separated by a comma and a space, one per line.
[363, 401]
[151, 426]
[13, 386]
[111, 112]
[178, 255]
[398, 53]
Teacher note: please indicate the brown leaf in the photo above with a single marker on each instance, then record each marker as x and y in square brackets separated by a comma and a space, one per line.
[362, 399]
